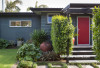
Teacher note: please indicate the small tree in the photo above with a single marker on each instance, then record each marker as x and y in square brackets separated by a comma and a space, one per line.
[96, 32]
[62, 32]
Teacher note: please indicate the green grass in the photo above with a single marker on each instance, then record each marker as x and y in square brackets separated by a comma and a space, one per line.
[7, 58]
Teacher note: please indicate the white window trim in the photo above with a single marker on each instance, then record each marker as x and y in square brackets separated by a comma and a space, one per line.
[51, 14]
[20, 23]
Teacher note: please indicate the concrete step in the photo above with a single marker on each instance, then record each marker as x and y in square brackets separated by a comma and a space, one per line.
[79, 57]
[83, 52]
[83, 61]
[82, 48]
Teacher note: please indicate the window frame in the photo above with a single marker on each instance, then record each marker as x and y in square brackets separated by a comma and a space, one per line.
[20, 23]
[51, 14]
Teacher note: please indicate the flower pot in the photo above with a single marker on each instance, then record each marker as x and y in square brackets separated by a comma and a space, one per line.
[73, 40]
[45, 46]
[19, 43]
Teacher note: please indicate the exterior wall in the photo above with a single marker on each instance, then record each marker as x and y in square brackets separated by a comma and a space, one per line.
[44, 23]
[74, 21]
[12, 33]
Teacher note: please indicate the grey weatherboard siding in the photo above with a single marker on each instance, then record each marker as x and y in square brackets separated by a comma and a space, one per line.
[44, 22]
[44, 25]
[12, 33]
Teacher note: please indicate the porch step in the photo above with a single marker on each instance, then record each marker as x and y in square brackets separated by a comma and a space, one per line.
[83, 61]
[82, 48]
[79, 57]
[83, 52]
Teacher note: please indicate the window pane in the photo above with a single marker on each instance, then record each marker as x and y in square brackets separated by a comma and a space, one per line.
[50, 18]
[15, 23]
[26, 23]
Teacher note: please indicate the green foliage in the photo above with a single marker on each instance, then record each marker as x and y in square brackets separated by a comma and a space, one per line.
[79, 65]
[39, 36]
[28, 52]
[49, 65]
[64, 65]
[62, 32]
[34, 65]
[26, 64]
[4, 43]
[11, 6]
[94, 65]
[96, 32]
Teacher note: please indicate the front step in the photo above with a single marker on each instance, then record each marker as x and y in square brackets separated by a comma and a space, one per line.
[82, 48]
[83, 61]
[82, 57]
[79, 57]
[83, 52]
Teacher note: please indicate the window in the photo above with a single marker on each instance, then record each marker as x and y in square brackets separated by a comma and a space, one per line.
[23, 23]
[50, 18]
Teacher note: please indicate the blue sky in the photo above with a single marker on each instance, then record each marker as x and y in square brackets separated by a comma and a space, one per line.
[51, 3]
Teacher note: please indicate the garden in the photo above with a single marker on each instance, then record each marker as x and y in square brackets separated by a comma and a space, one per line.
[41, 50]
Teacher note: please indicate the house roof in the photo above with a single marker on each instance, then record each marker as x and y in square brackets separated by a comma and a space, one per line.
[46, 9]
[79, 8]
[17, 14]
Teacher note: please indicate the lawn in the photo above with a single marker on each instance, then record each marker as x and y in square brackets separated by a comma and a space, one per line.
[7, 57]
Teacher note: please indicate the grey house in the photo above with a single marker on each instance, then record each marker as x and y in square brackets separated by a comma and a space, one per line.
[15, 25]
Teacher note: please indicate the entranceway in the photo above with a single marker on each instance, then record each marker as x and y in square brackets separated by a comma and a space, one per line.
[83, 30]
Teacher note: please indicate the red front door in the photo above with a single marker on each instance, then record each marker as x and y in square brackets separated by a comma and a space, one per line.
[83, 30]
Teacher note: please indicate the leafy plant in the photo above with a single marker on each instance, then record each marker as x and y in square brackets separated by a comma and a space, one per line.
[96, 32]
[62, 32]
[49, 65]
[20, 39]
[25, 64]
[4, 43]
[39, 36]
[28, 52]
[34, 65]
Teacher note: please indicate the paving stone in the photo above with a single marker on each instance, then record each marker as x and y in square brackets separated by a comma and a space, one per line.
[83, 61]
[56, 66]
[87, 66]
[42, 66]
[72, 66]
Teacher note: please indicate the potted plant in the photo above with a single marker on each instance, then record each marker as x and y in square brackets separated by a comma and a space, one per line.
[20, 41]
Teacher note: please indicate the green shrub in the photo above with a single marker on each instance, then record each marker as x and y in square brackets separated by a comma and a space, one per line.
[4, 43]
[94, 65]
[96, 32]
[64, 65]
[28, 52]
[34, 65]
[49, 65]
[26, 64]
[79, 65]
[62, 32]
[39, 36]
